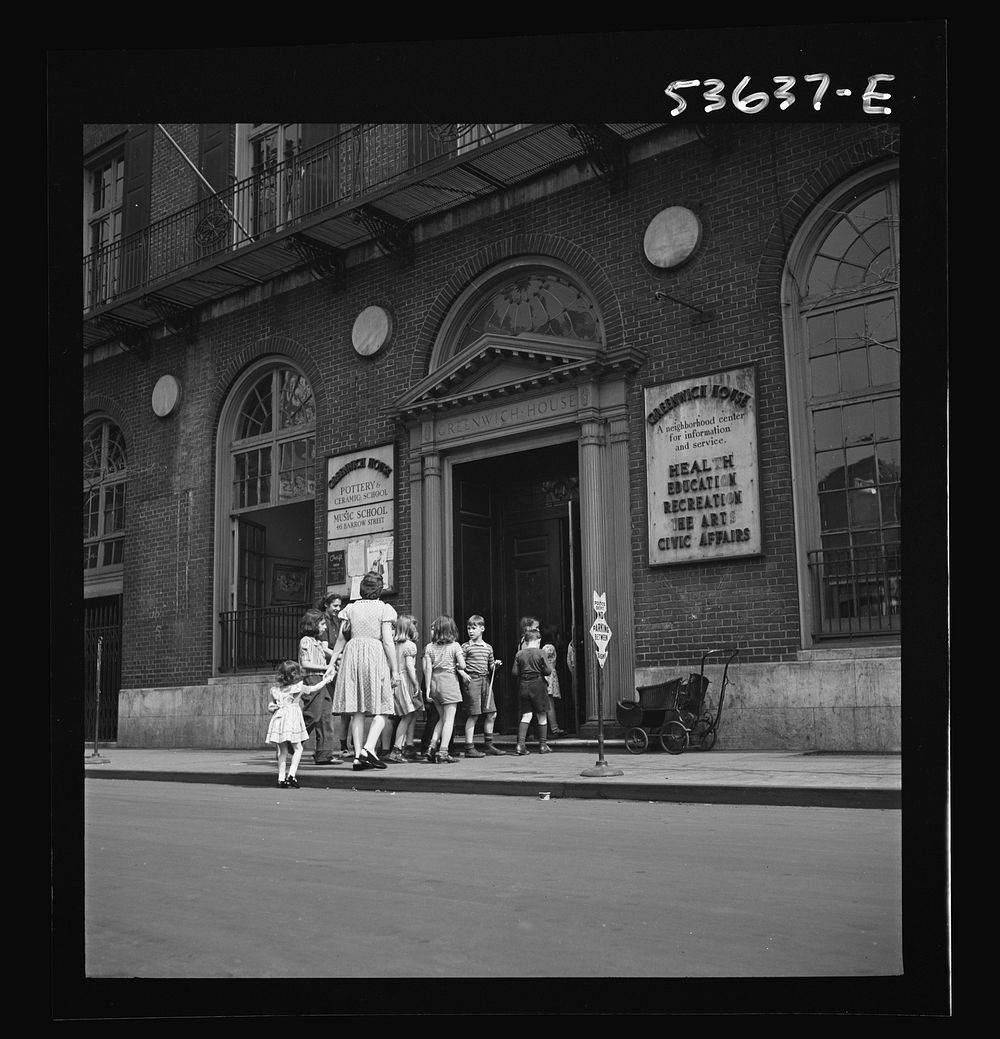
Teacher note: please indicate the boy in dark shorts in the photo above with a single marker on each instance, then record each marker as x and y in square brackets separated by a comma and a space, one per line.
[530, 670]
[480, 664]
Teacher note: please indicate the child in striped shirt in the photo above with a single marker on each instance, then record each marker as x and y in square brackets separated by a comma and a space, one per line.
[480, 665]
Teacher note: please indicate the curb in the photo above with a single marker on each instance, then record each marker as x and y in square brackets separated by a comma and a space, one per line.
[601, 789]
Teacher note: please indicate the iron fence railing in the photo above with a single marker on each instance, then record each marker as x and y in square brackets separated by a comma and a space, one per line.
[274, 198]
[259, 639]
[102, 640]
[857, 591]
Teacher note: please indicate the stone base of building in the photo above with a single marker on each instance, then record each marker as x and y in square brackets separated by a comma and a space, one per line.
[827, 700]
[230, 714]
[845, 701]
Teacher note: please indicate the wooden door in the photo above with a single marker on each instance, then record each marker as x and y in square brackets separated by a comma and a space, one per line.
[536, 569]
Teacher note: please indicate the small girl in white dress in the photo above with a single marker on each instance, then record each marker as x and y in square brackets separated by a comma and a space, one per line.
[287, 727]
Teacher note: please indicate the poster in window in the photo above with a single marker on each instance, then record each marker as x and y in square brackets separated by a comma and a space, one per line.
[336, 567]
[361, 518]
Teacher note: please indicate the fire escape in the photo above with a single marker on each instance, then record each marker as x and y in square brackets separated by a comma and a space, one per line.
[308, 211]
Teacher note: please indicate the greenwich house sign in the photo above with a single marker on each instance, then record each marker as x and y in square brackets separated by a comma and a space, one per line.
[360, 519]
[702, 475]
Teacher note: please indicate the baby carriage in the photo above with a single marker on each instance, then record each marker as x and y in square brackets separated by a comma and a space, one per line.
[675, 712]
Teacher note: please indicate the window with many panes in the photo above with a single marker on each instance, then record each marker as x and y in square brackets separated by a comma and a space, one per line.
[274, 442]
[272, 147]
[104, 490]
[849, 366]
[103, 199]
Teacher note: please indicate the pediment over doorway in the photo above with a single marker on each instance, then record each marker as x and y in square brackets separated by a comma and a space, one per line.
[495, 368]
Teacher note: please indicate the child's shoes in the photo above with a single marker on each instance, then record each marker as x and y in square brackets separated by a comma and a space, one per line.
[283, 783]
[544, 749]
[373, 759]
[292, 782]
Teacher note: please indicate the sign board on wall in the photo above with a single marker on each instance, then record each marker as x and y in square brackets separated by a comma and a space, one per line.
[702, 478]
[360, 519]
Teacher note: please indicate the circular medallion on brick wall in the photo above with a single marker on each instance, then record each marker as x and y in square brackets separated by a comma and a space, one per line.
[372, 329]
[166, 395]
[671, 237]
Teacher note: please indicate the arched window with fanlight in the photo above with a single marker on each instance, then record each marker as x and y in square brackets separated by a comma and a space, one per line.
[529, 300]
[534, 304]
[266, 494]
[274, 442]
[843, 348]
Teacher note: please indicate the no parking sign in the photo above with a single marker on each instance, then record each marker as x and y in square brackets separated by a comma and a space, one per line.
[600, 630]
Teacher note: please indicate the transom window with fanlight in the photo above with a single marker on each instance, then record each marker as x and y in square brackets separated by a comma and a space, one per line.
[105, 474]
[534, 303]
[844, 380]
[274, 442]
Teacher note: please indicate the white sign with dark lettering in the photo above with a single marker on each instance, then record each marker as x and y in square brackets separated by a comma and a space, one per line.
[360, 518]
[702, 478]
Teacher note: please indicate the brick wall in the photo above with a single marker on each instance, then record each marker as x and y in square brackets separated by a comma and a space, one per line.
[743, 194]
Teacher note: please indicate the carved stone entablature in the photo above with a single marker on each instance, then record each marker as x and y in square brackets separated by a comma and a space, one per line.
[498, 369]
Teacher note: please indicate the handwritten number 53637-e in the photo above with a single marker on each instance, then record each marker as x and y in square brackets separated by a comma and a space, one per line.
[750, 103]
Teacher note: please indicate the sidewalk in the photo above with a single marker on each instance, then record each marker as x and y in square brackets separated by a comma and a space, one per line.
[712, 777]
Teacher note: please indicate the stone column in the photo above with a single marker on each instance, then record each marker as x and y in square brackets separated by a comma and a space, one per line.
[619, 671]
[592, 538]
[416, 480]
[433, 568]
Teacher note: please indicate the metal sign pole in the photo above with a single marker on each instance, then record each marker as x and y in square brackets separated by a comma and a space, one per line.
[574, 710]
[601, 634]
[95, 757]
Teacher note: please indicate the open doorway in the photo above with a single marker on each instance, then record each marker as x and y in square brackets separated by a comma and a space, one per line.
[516, 554]
[272, 570]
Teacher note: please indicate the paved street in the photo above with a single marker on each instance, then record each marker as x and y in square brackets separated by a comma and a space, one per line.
[188, 880]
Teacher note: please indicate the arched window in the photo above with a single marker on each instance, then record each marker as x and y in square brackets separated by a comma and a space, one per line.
[265, 498]
[105, 472]
[273, 443]
[844, 382]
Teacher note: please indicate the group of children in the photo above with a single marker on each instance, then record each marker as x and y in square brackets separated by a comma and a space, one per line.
[453, 673]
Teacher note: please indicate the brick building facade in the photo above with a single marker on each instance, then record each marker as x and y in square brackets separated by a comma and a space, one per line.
[765, 200]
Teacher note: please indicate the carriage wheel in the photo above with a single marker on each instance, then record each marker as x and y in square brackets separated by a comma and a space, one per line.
[674, 738]
[636, 741]
[704, 734]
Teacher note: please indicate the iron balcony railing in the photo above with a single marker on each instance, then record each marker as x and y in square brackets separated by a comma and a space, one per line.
[259, 639]
[857, 591]
[273, 199]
